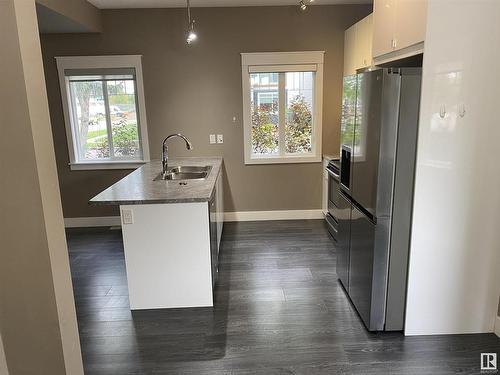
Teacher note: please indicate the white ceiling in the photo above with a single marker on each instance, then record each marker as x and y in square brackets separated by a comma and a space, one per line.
[123, 4]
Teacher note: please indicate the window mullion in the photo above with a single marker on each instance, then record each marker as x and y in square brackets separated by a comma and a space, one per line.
[76, 129]
[108, 119]
[137, 112]
[281, 107]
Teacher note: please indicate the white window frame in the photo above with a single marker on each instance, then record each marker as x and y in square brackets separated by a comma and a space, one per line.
[103, 62]
[270, 62]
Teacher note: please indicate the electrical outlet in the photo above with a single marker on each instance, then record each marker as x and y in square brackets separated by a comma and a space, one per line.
[127, 216]
[220, 138]
[212, 139]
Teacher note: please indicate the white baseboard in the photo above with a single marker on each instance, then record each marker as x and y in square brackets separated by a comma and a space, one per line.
[497, 326]
[273, 215]
[86, 222]
[111, 221]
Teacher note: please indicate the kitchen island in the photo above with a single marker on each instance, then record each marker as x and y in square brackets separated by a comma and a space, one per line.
[171, 233]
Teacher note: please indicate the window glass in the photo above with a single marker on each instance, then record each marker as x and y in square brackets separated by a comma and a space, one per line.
[123, 115]
[90, 127]
[299, 112]
[105, 117]
[292, 134]
[264, 96]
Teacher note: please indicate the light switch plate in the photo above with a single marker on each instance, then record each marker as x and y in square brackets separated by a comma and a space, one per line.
[212, 139]
[220, 138]
[127, 216]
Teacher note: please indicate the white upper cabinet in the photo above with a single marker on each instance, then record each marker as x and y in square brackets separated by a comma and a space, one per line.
[364, 35]
[358, 46]
[411, 21]
[350, 51]
[384, 25]
[398, 25]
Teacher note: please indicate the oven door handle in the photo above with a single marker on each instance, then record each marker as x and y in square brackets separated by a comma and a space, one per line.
[334, 175]
[332, 227]
[331, 219]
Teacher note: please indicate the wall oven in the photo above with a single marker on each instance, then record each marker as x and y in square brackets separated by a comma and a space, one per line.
[332, 217]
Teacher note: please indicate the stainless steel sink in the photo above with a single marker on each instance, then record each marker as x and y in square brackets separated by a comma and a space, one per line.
[185, 173]
[190, 169]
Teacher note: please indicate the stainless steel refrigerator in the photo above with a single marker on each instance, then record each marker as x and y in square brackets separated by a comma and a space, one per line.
[378, 151]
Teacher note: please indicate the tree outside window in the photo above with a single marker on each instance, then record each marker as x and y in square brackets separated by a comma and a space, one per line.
[297, 124]
[106, 115]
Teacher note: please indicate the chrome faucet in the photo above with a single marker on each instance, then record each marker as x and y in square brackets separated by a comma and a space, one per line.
[164, 151]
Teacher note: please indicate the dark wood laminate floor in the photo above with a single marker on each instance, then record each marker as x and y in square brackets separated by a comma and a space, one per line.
[279, 310]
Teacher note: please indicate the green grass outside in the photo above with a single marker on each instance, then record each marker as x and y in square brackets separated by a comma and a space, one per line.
[97, 133]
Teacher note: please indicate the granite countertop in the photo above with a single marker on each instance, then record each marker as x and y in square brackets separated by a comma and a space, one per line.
[330, 157]
[139, 187]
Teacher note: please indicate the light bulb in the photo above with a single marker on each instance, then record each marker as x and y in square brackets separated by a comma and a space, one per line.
[191, 37]
[302, 5]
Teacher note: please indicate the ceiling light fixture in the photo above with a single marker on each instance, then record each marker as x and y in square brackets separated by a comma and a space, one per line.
[303, 4]
[191, 33]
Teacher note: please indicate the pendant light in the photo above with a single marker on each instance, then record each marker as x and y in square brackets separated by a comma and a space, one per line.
[303, 4]
[191, 33]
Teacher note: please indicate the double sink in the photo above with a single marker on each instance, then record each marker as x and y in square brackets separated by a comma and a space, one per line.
[182, 172]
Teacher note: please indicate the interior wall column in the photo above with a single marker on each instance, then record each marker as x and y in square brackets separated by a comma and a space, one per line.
[37, 312]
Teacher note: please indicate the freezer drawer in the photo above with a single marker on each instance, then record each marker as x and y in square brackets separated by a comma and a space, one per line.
[361, 263]
[343, 214]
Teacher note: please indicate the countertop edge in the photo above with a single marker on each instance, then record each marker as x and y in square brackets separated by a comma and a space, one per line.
[148, 201]
[217, 162]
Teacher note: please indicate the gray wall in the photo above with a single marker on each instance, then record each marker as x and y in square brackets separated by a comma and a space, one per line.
[68, 15]
[37, 312]
[197, 90]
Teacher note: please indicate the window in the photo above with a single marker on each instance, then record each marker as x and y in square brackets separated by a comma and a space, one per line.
[103, 102]
[282, 106]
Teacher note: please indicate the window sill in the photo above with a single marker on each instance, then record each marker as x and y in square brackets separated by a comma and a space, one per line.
[283, 160]
[106, 165]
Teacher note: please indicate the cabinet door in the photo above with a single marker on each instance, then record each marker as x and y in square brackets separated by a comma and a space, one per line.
[214, 252]
[324, 198]
[411, 16]
[364, 36]
[343, 240]
[219, 209]
[361, 263]
[350, 51]
[384, 24]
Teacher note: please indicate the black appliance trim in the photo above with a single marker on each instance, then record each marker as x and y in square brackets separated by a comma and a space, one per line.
[367, 213]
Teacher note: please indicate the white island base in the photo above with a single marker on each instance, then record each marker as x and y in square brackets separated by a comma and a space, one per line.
[167, 255]
[171, 234]
[171, 253]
